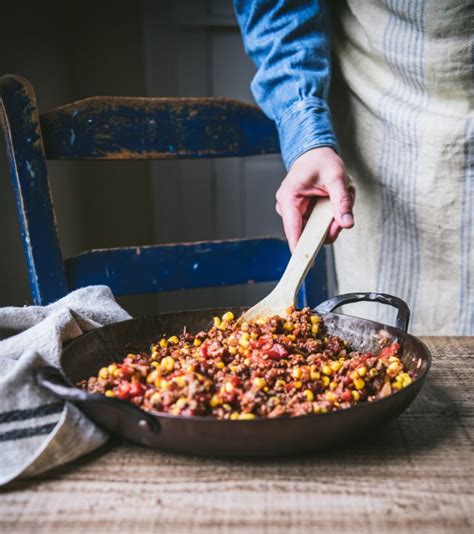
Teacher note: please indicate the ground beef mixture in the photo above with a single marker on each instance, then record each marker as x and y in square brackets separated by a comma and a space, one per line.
[280, 366]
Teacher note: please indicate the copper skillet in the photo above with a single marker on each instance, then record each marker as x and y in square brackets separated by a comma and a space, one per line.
[213, 437]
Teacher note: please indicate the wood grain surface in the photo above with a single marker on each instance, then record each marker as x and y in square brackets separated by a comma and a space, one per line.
[413, 475]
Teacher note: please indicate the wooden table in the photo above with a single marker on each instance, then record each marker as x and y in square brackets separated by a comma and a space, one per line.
[413, 475]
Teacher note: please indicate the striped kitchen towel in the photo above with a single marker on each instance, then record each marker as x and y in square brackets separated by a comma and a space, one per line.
[38, 432]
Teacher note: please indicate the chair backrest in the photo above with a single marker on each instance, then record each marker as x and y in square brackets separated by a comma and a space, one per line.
[134, 128]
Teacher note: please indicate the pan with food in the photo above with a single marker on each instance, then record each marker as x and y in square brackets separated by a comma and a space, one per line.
[261, 387]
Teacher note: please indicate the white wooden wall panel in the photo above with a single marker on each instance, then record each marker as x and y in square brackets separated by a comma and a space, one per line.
[193, 48]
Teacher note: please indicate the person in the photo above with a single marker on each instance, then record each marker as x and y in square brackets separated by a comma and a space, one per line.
[402, 123]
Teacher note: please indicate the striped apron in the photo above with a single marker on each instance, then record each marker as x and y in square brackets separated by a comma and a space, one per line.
[402, 101]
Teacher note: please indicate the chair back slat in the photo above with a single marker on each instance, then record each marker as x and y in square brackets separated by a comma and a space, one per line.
[180, 266]
[157, 128]
[20, 122]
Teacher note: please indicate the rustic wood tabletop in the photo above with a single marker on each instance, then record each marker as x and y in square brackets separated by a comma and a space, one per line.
[413, 475]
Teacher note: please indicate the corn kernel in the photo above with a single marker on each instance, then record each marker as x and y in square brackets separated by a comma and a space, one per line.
[162, 384]
[254, 335]
[315, 319]
[173, 340]
[232, 350]
[220, 365]
[315, 329]
[289, 326]
[246, 416]
[215, 401]
[326, 381]
[373, 372]
[112, 368]
[180, 381]
[259, 382]
[190, 368]
[153, 376]
[309, 395]
[274, 400]
[181, 403]
[103, 373]
[355, 395]
[247, 361]
[233, 368]
[163, 343]
[330, 396]
[394, 359]
[244, 342]
[110, 393]
[155, 355]
[228, 387]
[315, 375]
[228, 316]
[117, 372]
[244, 326]
[335, 366]
[291, 337]
[155, 398]
[362, 371]
[316, 408]
[167, 363]
[298, 384]
[197, 342]
[296, 372]
[280, 383]
[406, 379]
[333, 385]
[326, 370]
[359, 383]
[234, 416]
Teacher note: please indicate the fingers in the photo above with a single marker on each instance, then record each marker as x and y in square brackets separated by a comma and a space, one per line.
[290, 212]
[341, 201]
[292, 224]
[333, 232]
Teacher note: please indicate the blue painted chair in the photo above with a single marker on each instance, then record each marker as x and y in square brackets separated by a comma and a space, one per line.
[105, 128]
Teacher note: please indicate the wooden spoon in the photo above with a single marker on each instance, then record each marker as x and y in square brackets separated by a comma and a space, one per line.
[285, 293]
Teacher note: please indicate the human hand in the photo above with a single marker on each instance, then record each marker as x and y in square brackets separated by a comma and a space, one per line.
[319, 172]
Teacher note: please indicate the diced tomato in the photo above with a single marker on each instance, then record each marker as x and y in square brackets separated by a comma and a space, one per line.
[137, 389]
[346, 396]
[123, 391]
[126, 371]
[390, 351]
[277, 352]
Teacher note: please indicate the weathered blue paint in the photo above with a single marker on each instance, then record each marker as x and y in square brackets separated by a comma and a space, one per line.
[20, 124]
[185, 266]
[135, 128]
[180, 266]
[144, 128]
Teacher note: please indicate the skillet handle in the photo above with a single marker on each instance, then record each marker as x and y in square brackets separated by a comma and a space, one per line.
[51, 379]
[115, 415]
[403, 316]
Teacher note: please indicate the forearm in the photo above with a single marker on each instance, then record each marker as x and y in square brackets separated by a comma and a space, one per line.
[289, 42]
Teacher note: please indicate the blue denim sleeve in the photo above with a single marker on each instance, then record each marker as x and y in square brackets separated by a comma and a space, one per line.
[289, 42]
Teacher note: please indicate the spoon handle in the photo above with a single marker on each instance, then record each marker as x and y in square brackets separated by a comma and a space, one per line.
[308, 246]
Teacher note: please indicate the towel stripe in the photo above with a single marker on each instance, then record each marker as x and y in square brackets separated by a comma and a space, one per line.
[39, 411]
[22, 433]
[466, 297]
[399, 267]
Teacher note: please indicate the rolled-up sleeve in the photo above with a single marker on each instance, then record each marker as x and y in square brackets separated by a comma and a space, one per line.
[289, 43]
